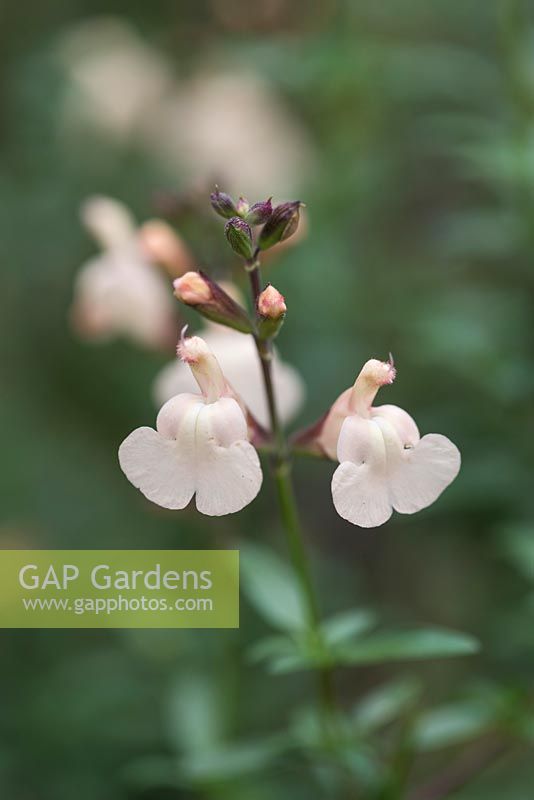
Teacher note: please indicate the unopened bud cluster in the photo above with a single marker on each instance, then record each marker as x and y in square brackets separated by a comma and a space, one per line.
[208, 298]
[278, 223]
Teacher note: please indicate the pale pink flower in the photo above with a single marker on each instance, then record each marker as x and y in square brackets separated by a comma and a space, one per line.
[231, 124]
[120, 292]
[115, 79]
[200, 446]
[237, 355]
[384, 463]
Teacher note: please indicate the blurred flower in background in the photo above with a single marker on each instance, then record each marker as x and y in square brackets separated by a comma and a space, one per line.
[223, 122]
[115, 79]
[236, 353]
[231, 124]
[121, 292]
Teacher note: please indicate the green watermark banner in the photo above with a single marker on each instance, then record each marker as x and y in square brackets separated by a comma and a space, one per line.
[119, 588]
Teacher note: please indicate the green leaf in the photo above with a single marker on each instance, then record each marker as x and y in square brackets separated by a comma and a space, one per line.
[386, 703]
[517, 543]
[195, 712]
[347, 625]
[226, 762]
[270, 586]
[415, 644]
[272, 647]
[232, 761]
[304, 651]
[452, 724]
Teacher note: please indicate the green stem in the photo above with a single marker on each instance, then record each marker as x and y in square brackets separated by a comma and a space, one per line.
[288, 504]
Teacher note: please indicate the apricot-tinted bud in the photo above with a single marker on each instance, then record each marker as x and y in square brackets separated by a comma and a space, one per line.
[272, 310]
[211, 301]
[192, 289]
[259, 213]
[271, 303]
[282, 223]
[239, 236]
[223, 204]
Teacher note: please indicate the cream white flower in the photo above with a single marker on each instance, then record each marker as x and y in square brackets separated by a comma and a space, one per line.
[220, 122]
[236, 353]
[233, 125]
[114, 78]
[200, 446]
[384, 463]
[120, 292]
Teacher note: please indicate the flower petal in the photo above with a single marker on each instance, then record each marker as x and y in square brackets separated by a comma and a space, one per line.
[159, 467]
[174, 414]
[423, 473]
[228, 468]
[404, 425]
[359, 484]
[331, 428]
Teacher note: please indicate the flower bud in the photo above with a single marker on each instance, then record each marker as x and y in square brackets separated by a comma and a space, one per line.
[242, 207]
[222, 204]
[259, 213]
[271, 309]
[239, 236]
[192, 289]
[271, 303]
[162, 245]
[197, 290]
[282, 223]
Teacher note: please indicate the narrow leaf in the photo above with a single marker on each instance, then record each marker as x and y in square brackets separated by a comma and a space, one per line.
[271, 588]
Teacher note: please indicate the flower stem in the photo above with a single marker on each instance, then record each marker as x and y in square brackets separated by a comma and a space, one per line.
[288, 504]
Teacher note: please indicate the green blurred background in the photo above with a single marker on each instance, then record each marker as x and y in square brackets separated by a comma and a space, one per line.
[407, 127]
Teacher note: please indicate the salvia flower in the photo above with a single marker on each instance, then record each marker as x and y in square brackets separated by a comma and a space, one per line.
[384, 464]
[120, 292]
[239, 236]
[236, 353]
[200, 446]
